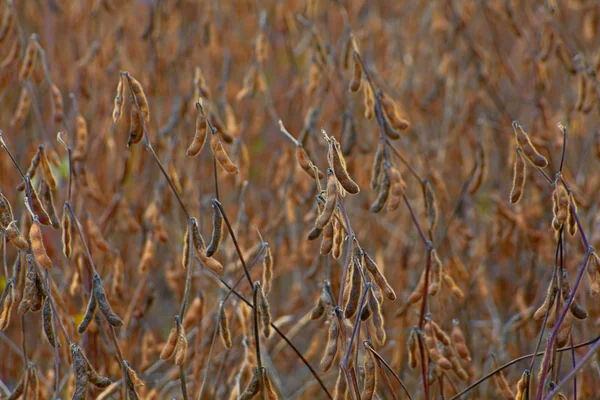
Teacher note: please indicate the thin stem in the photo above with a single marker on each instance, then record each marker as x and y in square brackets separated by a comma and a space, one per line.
[369, 347]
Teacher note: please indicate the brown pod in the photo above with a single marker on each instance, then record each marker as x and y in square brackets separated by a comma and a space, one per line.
[58, 108]
[211, 263]
[480, 170]
[48, 204]
[548, 302]
[377, 320]
[98, 380]
[200, 135]
[571, 220]
[81, 134]
[264, 310]
[96, 236]
[217, 233]
[8, 20]
[248, 84]
[440, 334]
[269, 388]
[33, 386]
[37, 246]
[46, 169]
[457, 367]
[66, 232]
[397, 188]
[353, 289]
[6, 303]
[561, 209]
[522, 385]
[32, 170]
[267, 275]
[331, 348]
[327, 240]
[305, 162]
[330, 201]
[22, 108]
[81, 372]
[169, 346]
[103, 304]
[339, 168]
[253, 387]
[221, 156]
[185, 254]
[391, 113]
[38, 209]
[430, 204]
[501, 382]
[181, 347]
[370, 383]
[136, 131]
[90, 312]
[383, 190]
[380, 280]
[519, 177]
[356, 81]
[6, 214]
[197, 239]
[338, 238]
[433, 348]
[118, 102]
[528, 148]
[412, 348]
[47, 323]
[132, 375]
[29, 59]
[30, 291]
[577, 311]
[223, 326]
[341, 386]
[139, 96]
[12, 55]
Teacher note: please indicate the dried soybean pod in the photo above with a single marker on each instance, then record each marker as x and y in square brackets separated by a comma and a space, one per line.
[136, 131]
[268, 387]
[132, 375]
[456, 365]
[46, 169]
[48, 204]
[6, 214]
[440, 334]
[324, 302]
[370, 383]
[377, 319]
[331, 348]
[339, 168]
[33, 386]
[522, 385]
[221, 156]
[577, 311]
[8, 20]
[253, 387]
[264, 310]
[90, 312]
[561, 209]
[412, 348]
[58, 108]
[22, 110]
[327, 241]
[581, 91]
[519, 177]
[197, 239]
[30, 291]
[433, 349]
[330, 201]
[459, 341]
[81, 133]
[66, 232]
[6, 303]
[47, 323]
[98, 380]
[139, 96]
[305, 162]
[32, 170]
[571, 221]
[29, 59]
[378, 277]
[383, 190]
[181, 347]
[96, 235]
[81, 372]
[391, 112]
[38, 209]
[548, 302]
[103, 304]
[338, 238]
[356, 81]
[12, 55]
[16, 394]
[501, 382]
[200, 135]
[223, 326]
[480, 170]
[397, 188]
[341, 386]
[267, 276]
[217, 233]
[37, 246]
[528, 148]
[169, 347]
[369, 99]
[15, 237]
[353, 289]
[185, 254]
[430, 204]
[211, 263]
[118, 102]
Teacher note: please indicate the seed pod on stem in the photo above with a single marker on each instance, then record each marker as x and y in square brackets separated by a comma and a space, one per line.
[6, 303]
[357, 73]
[331, 348]
[58, 107]
[519, 177]
[81, 133]
[383, 189]
[391, 112]
[47, 323]
[433, 348]
[221, 156]
[90, 312]
[577, 311]
[528, 148]
[370, 383]
[29, 59]
[37, 246]
[118, 102]
[253, 387]
[217, 233]
[14, 236]
[223, 326]
[330, 201]
[22, 110]
[459, 341]
[378, 277]
[66, 232]
[6, 214]
[339, 167]
[140, 96]
[501, 382]
[103, 304]
[200, 134]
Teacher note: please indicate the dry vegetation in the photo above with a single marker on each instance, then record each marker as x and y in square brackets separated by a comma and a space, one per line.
[299, 199]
